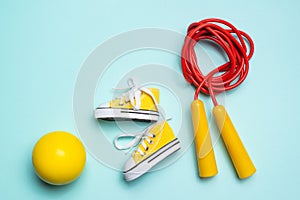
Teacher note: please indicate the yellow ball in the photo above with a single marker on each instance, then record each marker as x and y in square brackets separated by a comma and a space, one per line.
[58, 158]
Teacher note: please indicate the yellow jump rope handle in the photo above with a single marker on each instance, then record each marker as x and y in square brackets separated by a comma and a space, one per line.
[205, 154]
[239, 156]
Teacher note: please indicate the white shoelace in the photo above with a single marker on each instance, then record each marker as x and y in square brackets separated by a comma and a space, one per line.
[141, 137]
[134, 95]
[138, 138]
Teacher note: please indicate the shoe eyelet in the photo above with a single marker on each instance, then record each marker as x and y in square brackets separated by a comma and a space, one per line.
[153, 135]
[147, 149]
[150, 142]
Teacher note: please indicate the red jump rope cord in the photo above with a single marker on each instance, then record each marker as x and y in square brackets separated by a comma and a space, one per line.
[227, 76]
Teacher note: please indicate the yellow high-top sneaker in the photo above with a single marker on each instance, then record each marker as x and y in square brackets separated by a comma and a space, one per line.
[155, 144]
[139, 103]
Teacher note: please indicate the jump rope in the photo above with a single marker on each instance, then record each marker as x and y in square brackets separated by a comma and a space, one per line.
[223, 78]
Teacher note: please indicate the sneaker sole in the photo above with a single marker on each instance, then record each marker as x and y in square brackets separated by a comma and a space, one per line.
[125, 114]
[144, 166]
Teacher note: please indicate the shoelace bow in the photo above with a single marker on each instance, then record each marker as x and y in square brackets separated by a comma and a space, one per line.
[139, 138]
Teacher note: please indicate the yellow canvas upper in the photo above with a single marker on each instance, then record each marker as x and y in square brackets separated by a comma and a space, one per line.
[147, 102]
[163, 135]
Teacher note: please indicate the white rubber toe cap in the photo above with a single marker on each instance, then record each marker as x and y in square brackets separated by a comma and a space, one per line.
[129, 164]
[129, 173]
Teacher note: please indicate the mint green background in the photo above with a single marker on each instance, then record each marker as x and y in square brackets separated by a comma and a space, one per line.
[43, 44]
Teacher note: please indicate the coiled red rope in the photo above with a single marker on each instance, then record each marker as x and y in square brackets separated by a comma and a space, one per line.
[227, 76]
